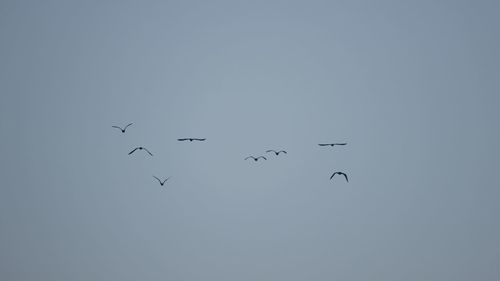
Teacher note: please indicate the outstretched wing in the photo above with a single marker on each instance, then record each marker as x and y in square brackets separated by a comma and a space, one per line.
[199, 139]
[166, 180]
[250, 157]
[262, 157]
[345, 176]
[344, 143]
[148, 151]
[324, 144]
[133, 151]
[182, 139]
[333, 175]
[157, 179]
[128, 126]
[117, 127]
[282, 151]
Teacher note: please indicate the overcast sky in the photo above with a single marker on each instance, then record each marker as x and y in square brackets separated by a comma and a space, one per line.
[411, 86]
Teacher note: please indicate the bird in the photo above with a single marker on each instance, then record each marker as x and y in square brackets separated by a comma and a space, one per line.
[140, 148]
[191, 139]
[276, 152]
[124, 129]
[331, 144]
[161, 182]
[256, 158]
[340, 173]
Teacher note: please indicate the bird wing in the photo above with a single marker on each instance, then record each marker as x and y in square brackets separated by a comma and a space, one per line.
[182, 139]
[334, 175]
[157, 179]
[345, 177]
[148, 151]
[127, 126]
[117, 127]
[166, 180]
[282, 151]
[262, 157]
[344, 143]
[323, 144]
[270, 150]
[199, 139]
[133, 151]
[250, 157]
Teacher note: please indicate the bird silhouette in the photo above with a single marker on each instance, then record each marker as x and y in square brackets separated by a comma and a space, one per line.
[340, 173]
[161, 182]
[140, 148]
[191, 139]
[331, 144]
[122, 129]
[256, 158]
[276, 152]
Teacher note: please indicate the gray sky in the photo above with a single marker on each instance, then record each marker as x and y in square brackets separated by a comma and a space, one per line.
[412, 86]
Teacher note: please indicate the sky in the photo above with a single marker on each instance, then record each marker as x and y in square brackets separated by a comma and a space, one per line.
[411, 86]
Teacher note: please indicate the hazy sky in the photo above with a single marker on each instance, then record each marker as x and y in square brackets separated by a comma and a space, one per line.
[412, 86]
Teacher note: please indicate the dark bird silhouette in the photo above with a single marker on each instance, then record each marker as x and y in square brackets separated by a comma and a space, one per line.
[331, 144]
[276, 152]
[124, 129]
[161, 182]
[340, 173]
[140, 148]
[256, 158]
[191, 139]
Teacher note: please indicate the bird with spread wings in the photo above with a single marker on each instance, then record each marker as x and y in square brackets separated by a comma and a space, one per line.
[256, 158]
[276, 152]
[340, 173]
[122, 129]
[331, 144]
[160, 181]
[191, 139]
[140, 148]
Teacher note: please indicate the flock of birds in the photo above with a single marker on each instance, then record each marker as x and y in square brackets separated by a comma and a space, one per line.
[254, 158]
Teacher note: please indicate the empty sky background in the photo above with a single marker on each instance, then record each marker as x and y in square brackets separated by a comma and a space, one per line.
[412, 86]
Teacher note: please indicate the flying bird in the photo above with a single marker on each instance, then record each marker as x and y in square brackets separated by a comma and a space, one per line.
[122, 129]
[331, 144]
[140, 148]
[191, 139]
[340, 173]
[161, 182]
[276, 152]
[256, 158]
